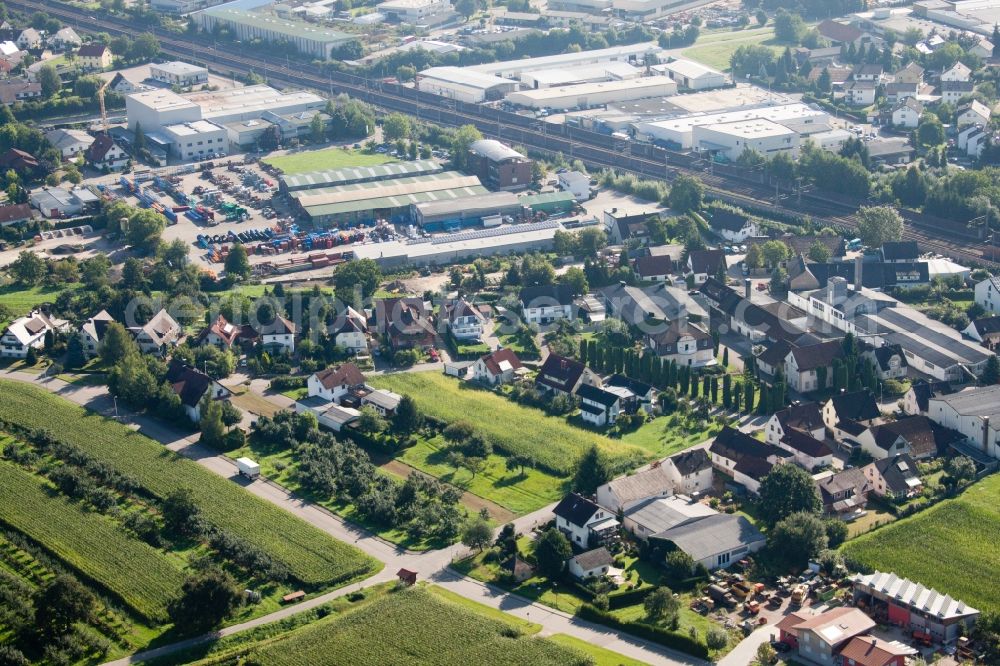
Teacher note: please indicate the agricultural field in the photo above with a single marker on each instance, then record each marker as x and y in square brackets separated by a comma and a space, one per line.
[144, 578]
[962, 532]
[512, 428]
[414, 625]
[329, 158]
[314, 558]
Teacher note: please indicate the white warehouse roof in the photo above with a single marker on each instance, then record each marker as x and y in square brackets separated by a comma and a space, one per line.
[915, 595]
[689, 69]
[179, 68]
[590, 94]
[622, 53]
[464, 76]
[750, 129]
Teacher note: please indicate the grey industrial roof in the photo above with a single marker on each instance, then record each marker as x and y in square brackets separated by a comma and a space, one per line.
[937, 344]
[657, 514]
[383, 188]
[721, 533]
[485, 203]
[982, 401]
[647, 483]
[914, 595]
[398, 201]
[333, 177]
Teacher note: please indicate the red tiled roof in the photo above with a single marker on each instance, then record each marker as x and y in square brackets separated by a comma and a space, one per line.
[493, 360]
[346, 374]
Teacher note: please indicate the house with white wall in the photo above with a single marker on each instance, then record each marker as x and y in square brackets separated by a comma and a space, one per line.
[584, 523]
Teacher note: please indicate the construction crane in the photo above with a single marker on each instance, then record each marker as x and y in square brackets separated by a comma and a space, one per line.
[100, 100]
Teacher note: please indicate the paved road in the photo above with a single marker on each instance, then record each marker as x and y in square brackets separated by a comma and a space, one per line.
[432, 565]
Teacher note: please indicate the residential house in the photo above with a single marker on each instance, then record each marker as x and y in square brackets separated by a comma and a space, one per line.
[703, 264]
[584, 523]
[92, 333]
[900, 252]
[328, 414]
[916, 436]
[715, 541]
[683, 343]
[564, 376]
[745, 459]
[691, 471]
[654, 515]
[911, 73]
[20, 161]
[844, 494]
[94, 56]
[104, 153]
[63, 40]
[860, 93]
[591, 564]
[597, 406]
[842, 33]
[869, 72]
[987, 293]
[622, 225]
[778, 321]
[804, 417]
[975, 413]
[518, 570]
[894, 478]
[917, 399]
[29, 39]
[192, 386]
[382, 401]
[732, 226]
[847, 415]
[986, 331]
[158, 334]
[888, 360]
[223, 334]
[973, 113]
[913, 607]
[654, 268]
[897, 92]
[498, 367]
[18, 91]
[278, 335]
[405, 323]
[10, 59]
[69, 142]
[818, 637]
[872, 651]
[686, 473]
[952, 91]
[334, 383]
[464, 321]
[982, 48]
[123, 86]
[957, 72]
[545, 304]
[350, 331]
[14, 213]
[28, 332]
[655, 481]
[810, 368]
[972, 140]
[769, 359]
[807, 451]
[635, 395]
[652, 307]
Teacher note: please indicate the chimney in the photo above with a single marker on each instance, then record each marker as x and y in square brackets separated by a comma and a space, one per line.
[747, 290]
[986, 433]
[857, 272]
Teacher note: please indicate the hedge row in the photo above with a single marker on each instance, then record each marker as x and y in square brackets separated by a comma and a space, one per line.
[647, 631]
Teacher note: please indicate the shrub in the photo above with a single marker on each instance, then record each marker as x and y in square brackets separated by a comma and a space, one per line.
[716, 638]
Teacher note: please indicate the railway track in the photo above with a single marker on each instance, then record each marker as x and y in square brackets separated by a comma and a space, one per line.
[591, 147]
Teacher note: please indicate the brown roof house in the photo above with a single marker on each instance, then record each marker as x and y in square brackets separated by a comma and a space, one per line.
[405, 323]
[565, 376]
[94, 56]
[499, 367]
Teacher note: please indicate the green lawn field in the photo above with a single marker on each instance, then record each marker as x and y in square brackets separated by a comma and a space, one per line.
[413, 626]
[951, 547]
[520, 493]
[314, 558]
[141, 576]
[20, 300]
[512, 428]
[320, 160]
[714, 50]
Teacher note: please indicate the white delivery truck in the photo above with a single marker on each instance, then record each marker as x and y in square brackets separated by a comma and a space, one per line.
[248, 468]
